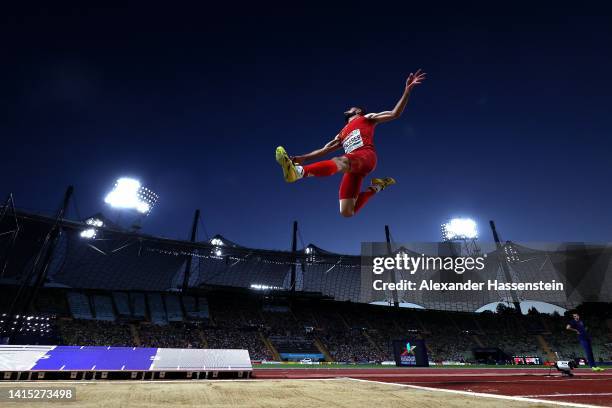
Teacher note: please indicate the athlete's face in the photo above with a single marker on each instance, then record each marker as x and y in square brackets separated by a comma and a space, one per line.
[351, 112]
[576, 316]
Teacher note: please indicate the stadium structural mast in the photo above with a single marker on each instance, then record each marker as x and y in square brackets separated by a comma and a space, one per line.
[389, 251]
[194, 233]
[27, 293]
[495, 235]
[9, 204]
[504, 265]
[294, 259]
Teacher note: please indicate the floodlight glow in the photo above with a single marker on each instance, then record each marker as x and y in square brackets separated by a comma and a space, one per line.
[216, 241]
[218, 252]
[459, 228]
[309, 250]
[94, 222]
[258, 286]
[89, 233]
[128, 193]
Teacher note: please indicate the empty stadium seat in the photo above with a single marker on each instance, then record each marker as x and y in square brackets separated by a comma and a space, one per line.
[173, 308]
[138, 305]
[156, 309]
[79, 305]
[103, 307]
[122, 303]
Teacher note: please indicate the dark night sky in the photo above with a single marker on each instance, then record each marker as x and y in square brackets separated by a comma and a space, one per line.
[512, 124]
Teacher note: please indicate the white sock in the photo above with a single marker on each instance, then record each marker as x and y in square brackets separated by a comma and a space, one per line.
[300, 171]
[376, 187]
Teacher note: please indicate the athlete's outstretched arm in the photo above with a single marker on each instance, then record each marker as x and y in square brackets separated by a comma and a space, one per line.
[413, 80]
[329, 147]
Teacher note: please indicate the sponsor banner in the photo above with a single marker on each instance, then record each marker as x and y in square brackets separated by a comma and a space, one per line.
[410, 353]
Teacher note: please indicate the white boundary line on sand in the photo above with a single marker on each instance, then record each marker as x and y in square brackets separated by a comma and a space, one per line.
[482, 394]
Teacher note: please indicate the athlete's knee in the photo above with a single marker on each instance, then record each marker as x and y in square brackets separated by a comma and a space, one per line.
[342, 163]
[347, 212]
[347, 208]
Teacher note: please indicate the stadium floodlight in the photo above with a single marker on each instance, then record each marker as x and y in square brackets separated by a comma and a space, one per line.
[129, 193]
[459, 229]
[89, 233]
[216, 241]
[94, 222]
[258, 286]
[218, 252]
[512, 255]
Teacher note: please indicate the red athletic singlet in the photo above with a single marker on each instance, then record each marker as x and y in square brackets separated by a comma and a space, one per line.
[357, 138]
[357, 134]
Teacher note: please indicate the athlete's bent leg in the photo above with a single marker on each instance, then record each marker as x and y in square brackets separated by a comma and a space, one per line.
[350, 207]
[347, 207]
[349, 191]
[363, 198]
[377, 186]
[293, 172]
[326, 167]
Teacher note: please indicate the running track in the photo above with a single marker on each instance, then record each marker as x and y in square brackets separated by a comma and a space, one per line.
[585, 387]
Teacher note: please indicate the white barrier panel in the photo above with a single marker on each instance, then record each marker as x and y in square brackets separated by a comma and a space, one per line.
[97, 358]
[201, 359]
[21, 358]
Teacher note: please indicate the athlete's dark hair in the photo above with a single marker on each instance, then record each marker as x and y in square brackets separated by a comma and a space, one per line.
[362, 109]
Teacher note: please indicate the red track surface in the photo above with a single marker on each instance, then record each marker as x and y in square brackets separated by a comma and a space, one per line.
[585, 387]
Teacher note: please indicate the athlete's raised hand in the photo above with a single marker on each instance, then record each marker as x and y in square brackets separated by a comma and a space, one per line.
[415, 79]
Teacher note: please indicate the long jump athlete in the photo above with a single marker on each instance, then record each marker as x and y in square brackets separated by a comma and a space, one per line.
[359, 160]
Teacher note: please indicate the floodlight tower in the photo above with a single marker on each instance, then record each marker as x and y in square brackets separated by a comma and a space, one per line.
[462, 230]
[129, 194]
[511, 256]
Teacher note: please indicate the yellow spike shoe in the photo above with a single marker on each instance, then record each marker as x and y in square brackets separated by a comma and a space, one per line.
[289, 171]
[381, 184]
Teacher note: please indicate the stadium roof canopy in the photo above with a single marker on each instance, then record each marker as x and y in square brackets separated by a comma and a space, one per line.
[124, 260]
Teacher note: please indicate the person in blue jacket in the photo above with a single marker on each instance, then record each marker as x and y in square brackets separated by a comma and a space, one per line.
[577, 325]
